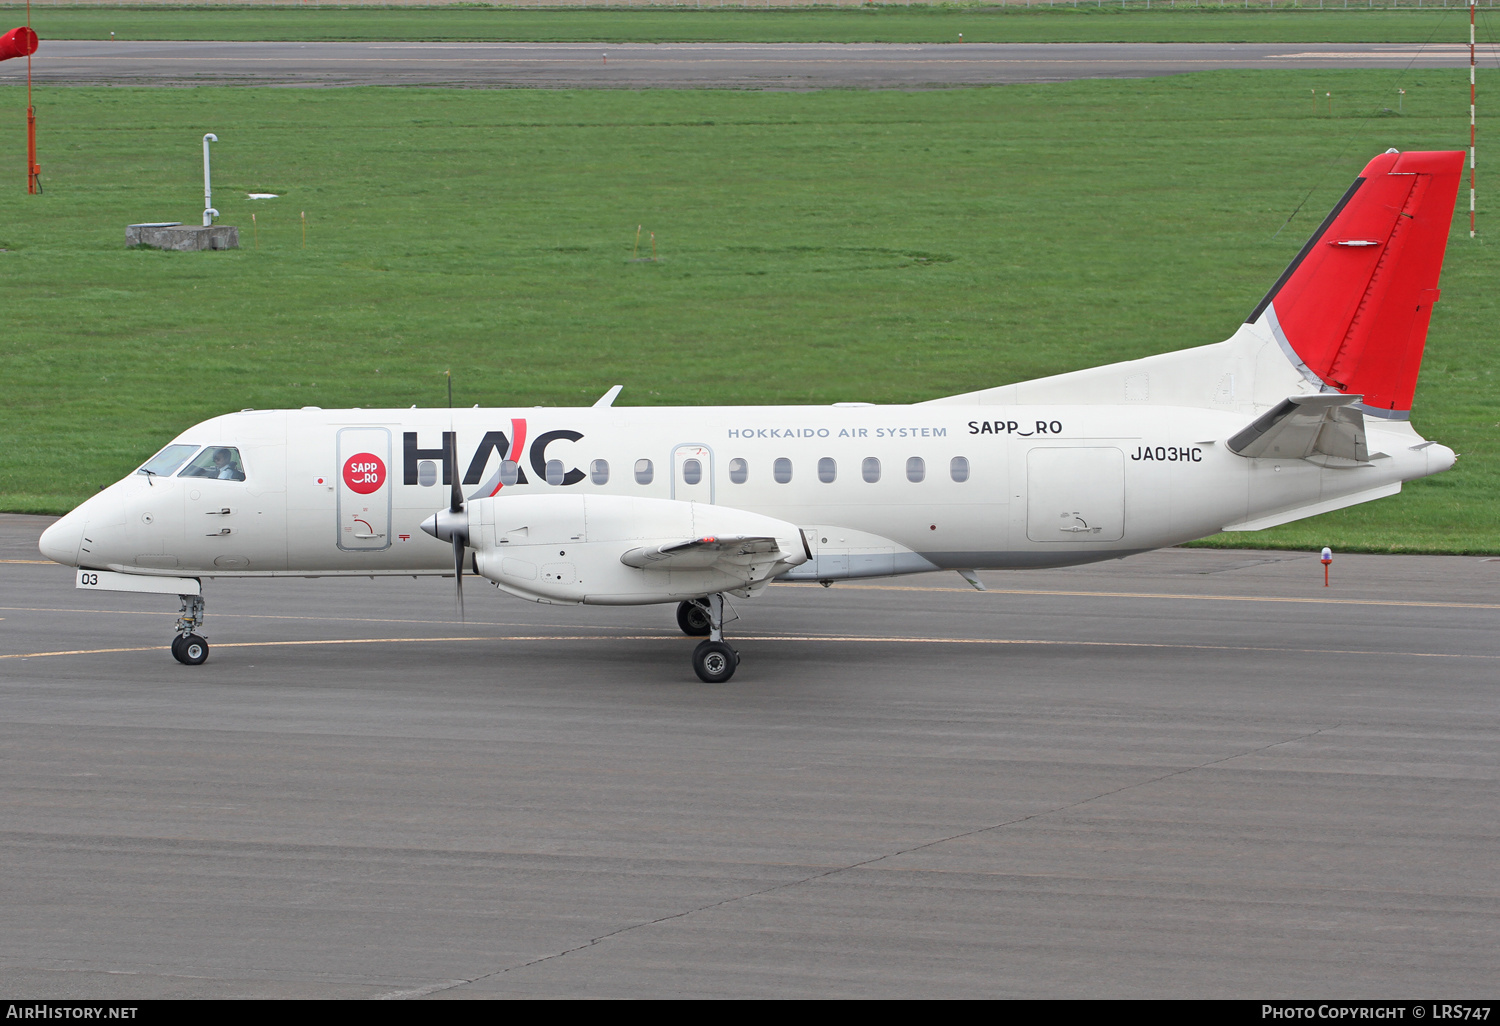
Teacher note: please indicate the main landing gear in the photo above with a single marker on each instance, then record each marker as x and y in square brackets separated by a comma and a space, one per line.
[188, 647]
[692, 617]
[713, 660]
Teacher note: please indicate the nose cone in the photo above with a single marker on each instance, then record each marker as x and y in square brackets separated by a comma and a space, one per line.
[60, 541]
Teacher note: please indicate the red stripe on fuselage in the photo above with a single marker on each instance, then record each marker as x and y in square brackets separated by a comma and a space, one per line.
[517, 445]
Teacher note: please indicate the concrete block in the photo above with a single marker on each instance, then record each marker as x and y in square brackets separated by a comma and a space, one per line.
[184, 237]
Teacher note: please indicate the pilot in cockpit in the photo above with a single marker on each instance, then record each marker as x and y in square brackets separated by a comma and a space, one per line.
[221, 463]
[223, 467]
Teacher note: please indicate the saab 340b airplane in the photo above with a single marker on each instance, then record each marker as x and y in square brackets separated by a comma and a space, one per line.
[1303, 410]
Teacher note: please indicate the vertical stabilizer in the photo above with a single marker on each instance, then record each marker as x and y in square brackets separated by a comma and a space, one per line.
[1351, 311]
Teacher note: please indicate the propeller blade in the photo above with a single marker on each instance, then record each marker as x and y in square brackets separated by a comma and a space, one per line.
[458, 574]
[460, 535]
[456, 502]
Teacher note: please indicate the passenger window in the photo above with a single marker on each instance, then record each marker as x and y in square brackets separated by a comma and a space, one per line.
[555, 472]
[692, 472]
[643, 472]
[870, 469]
[916, 470]
[828, 469]
[427, 473]
[781, 470]
[217, 461]
[959, 468]
[510, 472]
[599, 472]
[168, 460]
[739, 471]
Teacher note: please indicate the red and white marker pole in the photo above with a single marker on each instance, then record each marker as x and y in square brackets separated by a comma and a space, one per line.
[1326, 558]
[1472, 5]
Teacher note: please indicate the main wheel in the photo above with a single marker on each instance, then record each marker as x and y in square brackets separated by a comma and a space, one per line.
[714, 662]
[693, 619]
[191, 650]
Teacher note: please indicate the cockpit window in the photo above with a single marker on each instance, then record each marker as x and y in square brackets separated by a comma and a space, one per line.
[221, 462]
[168, 460]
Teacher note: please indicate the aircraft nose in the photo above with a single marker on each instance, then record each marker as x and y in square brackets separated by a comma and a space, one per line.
[60, 541]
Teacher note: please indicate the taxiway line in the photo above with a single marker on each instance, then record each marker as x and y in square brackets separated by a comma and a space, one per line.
[964, 590]
[825, 638]
[1179, 596]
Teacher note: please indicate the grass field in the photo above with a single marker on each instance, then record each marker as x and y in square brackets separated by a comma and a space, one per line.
[815, 247]
[880, 24]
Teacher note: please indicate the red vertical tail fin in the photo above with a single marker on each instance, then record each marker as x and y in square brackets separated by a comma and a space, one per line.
[1352, 309]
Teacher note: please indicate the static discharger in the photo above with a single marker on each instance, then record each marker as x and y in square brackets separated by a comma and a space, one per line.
[1327, 560]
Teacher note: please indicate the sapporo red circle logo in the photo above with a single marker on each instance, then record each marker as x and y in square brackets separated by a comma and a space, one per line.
[364, 472]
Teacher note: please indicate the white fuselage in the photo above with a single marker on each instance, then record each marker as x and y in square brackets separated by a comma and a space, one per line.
[1034, 486]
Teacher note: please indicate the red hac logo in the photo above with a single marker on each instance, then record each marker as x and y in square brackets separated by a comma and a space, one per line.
[364, 472]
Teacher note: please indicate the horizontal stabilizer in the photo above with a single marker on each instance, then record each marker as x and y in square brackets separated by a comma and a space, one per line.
[1303, 426]
[702, 552]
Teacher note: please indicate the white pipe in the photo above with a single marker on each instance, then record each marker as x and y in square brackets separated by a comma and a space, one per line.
[209, 213]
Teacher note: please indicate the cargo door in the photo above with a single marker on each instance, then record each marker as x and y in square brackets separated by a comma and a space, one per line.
[1075, 494]
[364, 489]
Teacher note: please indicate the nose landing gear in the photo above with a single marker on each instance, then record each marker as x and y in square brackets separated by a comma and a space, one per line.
[713, 660]
[188, 648]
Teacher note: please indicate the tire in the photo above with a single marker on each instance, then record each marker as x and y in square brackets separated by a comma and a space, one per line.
[714, 662]
[177, 648]
[693, 619]
[191, 650]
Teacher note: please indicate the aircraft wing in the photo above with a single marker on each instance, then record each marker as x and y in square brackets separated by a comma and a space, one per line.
[1304, 426]
[698, 553]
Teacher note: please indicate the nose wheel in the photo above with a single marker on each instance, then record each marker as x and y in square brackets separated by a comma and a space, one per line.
[188, 648]
[713, 660]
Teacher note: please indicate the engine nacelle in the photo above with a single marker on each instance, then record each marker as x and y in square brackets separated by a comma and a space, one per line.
[574, 548]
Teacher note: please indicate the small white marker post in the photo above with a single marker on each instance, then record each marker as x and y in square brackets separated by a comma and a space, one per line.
[1326, 558]
[209, 213]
